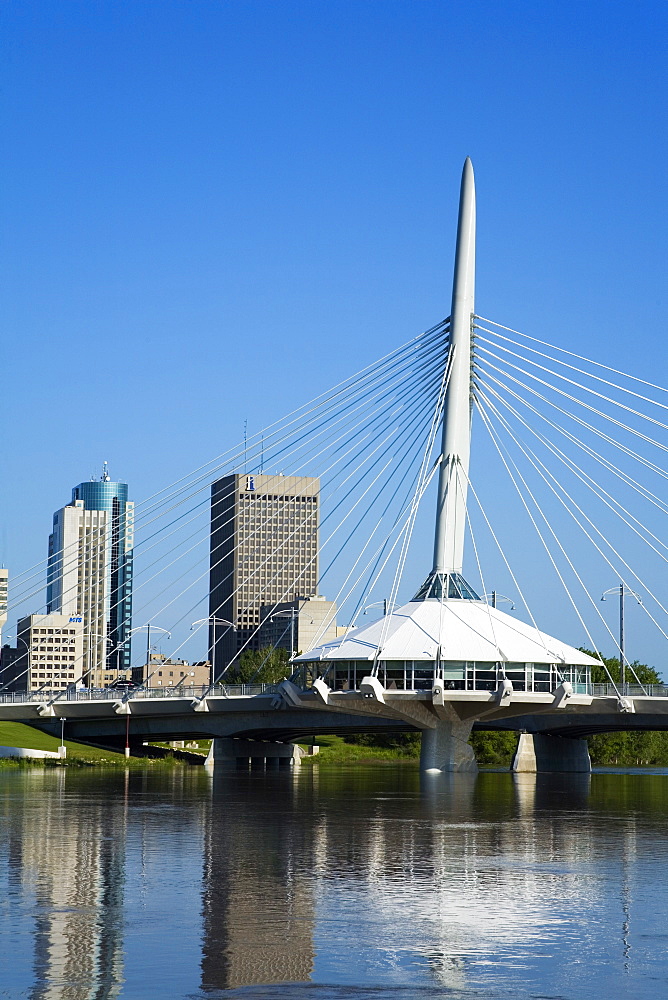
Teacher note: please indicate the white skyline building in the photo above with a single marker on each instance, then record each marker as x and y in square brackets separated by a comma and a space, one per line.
[78, 581]
[90, 573]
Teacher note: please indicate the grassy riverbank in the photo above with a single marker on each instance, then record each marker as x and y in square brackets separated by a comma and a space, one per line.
[16, 734]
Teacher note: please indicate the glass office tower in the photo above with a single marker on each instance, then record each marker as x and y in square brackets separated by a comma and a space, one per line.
[90, 571]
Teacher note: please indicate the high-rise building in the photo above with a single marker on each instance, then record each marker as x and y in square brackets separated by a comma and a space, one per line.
[90, 572]
[264, 551]
[4, 582]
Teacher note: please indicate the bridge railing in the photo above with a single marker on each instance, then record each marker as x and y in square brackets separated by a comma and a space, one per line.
[118, 694]
[629, 690]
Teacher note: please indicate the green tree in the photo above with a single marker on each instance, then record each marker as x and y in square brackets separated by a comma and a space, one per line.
[626, 748]
[262, 666]
[406, 744]
[496, 748]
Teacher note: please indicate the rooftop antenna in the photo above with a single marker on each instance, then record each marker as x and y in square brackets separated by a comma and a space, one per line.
[246, 445]
[105, 477]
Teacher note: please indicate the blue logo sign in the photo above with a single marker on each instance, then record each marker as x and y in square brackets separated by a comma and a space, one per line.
[76, 619]
[250, 482]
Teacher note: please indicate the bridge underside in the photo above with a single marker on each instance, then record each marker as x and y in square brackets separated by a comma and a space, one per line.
[292, 727]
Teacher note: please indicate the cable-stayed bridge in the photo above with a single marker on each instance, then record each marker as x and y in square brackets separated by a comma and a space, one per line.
[579, 446]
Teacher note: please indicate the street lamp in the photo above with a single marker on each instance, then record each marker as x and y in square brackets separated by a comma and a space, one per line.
[377, 604]
[88, 673]
[494, 599]
[293, 614]
[148, 628]
[622, 590]
[212, 620]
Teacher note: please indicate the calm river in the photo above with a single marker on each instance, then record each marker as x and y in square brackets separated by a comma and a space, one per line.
[350, 883]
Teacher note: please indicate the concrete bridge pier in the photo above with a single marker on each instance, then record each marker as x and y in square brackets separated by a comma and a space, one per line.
[229, 752]
[446, 747]
[550, 754]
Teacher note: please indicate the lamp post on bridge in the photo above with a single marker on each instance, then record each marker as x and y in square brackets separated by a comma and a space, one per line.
[293, 614]
[212, 620]
[495, 597]
[87, 674]
[622, 590]
[148, 627]
[377, 604]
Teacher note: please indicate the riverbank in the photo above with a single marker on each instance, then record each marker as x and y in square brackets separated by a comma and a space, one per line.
[17, 734]
[492, 749]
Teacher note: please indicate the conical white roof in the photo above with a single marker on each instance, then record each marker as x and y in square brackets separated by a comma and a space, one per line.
[465, 630]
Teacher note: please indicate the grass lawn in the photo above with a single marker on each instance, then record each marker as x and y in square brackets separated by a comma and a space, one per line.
[16, 734]
[333, 750]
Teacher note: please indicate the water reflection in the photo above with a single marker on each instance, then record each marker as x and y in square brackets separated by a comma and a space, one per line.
[183, 884]
[72, 866]
[258, 909]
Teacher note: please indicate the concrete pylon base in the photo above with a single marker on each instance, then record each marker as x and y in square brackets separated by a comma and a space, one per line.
[447, 748]
[253, 753]
[545, 754]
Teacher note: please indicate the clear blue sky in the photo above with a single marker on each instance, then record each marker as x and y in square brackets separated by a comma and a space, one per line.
[214, 210]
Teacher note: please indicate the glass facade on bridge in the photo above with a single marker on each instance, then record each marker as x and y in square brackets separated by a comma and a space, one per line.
[458, 675]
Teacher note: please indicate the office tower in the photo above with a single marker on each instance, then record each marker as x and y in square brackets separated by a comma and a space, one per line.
[50, 652]
[90, 572]
[264, 551]
[4, 582]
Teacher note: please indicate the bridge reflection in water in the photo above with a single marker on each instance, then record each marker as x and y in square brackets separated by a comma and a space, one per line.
[197, 883]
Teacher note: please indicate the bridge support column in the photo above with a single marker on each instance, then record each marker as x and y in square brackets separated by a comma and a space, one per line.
[447, 748]
[540, 754]
[260, 753]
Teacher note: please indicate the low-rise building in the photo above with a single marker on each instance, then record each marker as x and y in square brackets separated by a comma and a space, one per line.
[165, 672]
[50, 652]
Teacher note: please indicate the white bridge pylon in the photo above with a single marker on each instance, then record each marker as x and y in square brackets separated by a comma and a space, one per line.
[447, 626]
[456, 434]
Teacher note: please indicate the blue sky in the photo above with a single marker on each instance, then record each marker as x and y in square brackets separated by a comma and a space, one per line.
[213, 211]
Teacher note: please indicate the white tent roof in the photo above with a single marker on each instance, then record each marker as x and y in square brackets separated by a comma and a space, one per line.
[465, 630]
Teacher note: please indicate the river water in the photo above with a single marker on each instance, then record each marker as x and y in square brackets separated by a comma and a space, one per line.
[345, 883]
